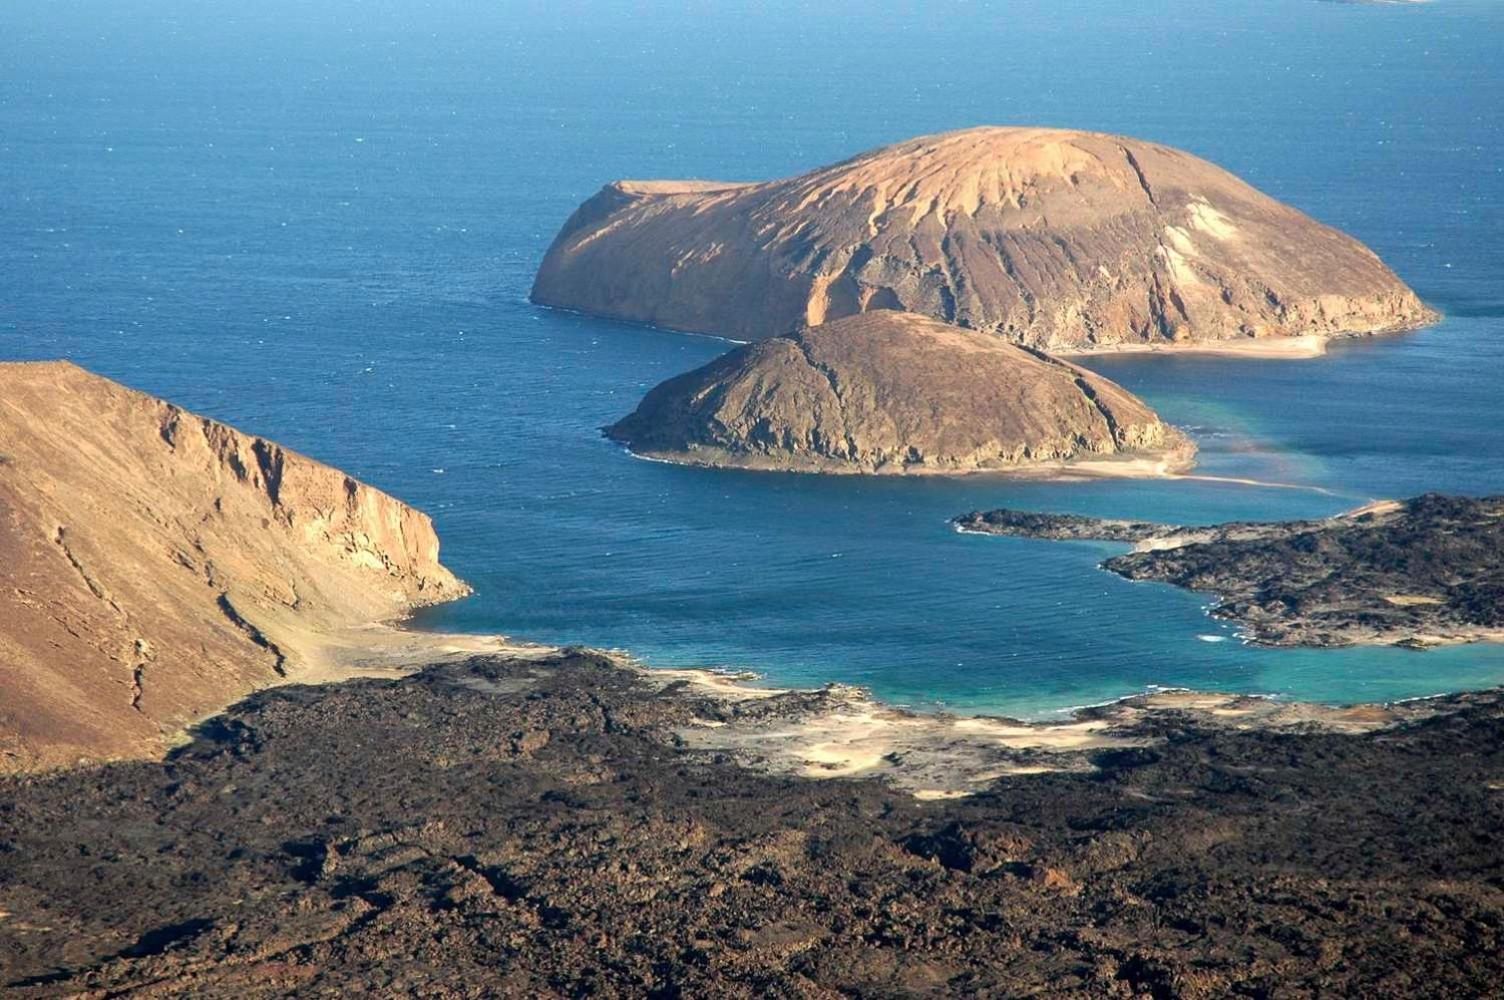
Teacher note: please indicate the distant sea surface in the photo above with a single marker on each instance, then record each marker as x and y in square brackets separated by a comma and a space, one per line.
[320, 223]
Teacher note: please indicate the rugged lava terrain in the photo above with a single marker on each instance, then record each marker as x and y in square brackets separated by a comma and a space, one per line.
[1058, 240]
[895, 392]
[1422, 572]
[156, 565]
[527, 828]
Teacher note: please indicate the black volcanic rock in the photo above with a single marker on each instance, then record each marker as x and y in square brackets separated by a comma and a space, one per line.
[527, 828]
[1423, 572]
[1059, 527]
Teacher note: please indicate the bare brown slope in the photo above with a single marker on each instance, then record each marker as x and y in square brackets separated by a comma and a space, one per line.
[156, 565]
[1060, 240]
[896, 392]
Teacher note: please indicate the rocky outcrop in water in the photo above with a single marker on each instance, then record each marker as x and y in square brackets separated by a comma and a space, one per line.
[1419, 573]
[1059, 240]
[894, 392]
[1059, 527]
[156, 565]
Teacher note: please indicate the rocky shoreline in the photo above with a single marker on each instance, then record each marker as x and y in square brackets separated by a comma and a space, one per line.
[544, 826]
[891, 393]
[1417, 573]
[461, 816]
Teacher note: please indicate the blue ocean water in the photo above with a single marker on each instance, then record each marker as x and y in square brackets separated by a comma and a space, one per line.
[320, 223]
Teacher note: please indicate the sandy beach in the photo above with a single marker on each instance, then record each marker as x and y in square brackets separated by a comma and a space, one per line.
[1164, 465]
[840, 731]
[1273, 348]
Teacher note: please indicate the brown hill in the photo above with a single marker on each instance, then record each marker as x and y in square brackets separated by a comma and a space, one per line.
[1060, 240]
[895, 392]
[156, 565]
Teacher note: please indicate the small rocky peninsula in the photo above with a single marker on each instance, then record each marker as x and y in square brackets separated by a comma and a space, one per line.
[890, 392]
[1417, 573]
[157, 565]
[1059, 240]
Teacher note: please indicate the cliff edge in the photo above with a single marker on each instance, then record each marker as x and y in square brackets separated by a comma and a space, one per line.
[156, 565]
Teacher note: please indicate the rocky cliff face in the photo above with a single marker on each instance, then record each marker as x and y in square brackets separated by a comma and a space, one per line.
[1058, 240]
[156, 565]
[895, 392]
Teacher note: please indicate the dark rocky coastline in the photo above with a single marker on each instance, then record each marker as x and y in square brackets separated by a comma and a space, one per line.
[1417, 573]
[530, 828]
[1058, 527]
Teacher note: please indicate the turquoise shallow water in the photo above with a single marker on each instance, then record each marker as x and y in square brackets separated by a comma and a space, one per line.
[322, 225]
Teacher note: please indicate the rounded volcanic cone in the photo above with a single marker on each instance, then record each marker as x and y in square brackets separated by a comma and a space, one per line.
[893, 392]
[1060, 240]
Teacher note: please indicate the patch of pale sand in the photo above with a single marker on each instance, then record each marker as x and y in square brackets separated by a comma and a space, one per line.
[1208, 220]
[1462, 637]
[1261, 483]
[1188, 699]
[1160, 543]
[1170, 468]
[1374, 507]
[678, 187]
[853, 736]
[849, 742]
[323, 649]
[1230, 713]
[1198, 701]
[1021, 736]
[1249, 711]
[1168, 464]
[1411, 600]
[846, 735]
[321, 654]
[1305, 346]
[730, 686]
[1153, 465]
[838, 759]
[1175, 253]
[1020, 769]
[939, 794]
[1180, 240]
